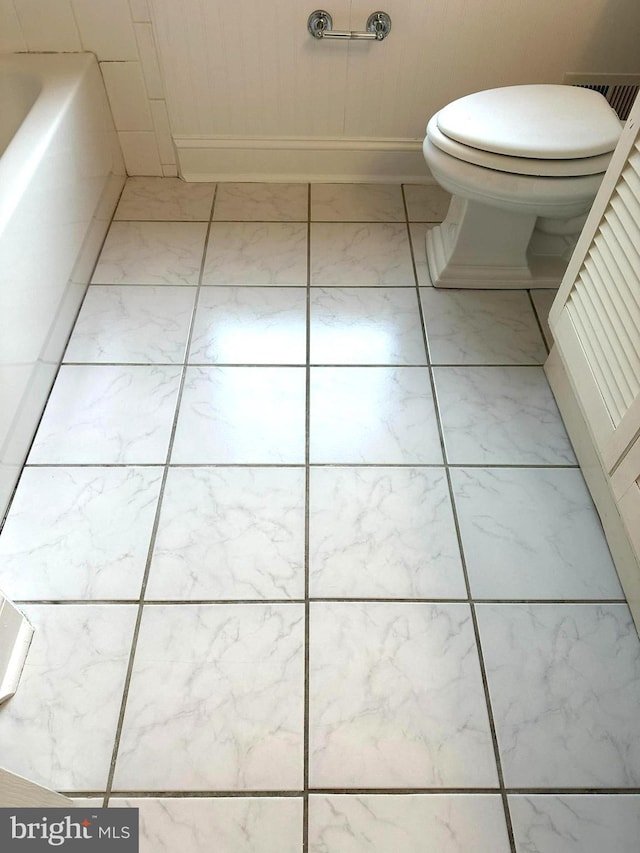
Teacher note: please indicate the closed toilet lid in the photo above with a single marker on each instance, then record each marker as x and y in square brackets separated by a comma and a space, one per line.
[538, 121]
[574, 167]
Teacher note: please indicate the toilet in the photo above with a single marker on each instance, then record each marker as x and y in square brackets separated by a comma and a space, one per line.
[523, 164]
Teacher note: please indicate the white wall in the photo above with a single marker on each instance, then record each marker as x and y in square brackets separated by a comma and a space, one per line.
[120, 33]
[237, 71]
[249, 68]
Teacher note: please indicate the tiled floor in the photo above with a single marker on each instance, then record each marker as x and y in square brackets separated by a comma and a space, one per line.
[310, 561]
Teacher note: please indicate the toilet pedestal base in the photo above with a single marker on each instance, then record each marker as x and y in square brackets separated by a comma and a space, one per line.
[478, 246]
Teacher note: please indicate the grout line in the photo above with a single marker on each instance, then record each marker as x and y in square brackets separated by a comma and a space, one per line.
[338, 364]
[476, 630]
[355, 464]
[538, 321]
[397, 792]
[145, 579]
[357, 599]
[411, 248]
[307, 626]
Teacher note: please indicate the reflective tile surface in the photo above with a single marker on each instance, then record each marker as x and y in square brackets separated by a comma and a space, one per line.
[310, 561]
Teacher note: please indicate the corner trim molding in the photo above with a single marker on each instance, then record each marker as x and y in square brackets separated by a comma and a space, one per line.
[301, 159]
[15, 638]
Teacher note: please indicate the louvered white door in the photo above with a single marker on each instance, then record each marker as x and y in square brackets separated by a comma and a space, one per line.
[595, 318]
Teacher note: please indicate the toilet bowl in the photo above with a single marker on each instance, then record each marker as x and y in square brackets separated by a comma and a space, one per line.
[523, 164]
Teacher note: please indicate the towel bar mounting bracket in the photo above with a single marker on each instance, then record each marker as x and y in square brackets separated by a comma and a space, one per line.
[320, 25]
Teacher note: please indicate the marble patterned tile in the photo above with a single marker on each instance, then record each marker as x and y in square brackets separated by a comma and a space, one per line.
[382, 533]
[481, 327]
[76, 533]
[532, 533]
[426, 202]
[252, 415]
[564, 681]
[379, 823]
[396, 698]
[151, 253]
[104, 414]
[250, 325]
[230, 533]
[257, 253]
[216, 700]
[543, 300]
[366, 325]
[236, 825]
[59, 728]
[500, 416]
[418, 232]
[356, 203]
[262, 202]
[350, 254]
[165, 199]
[579, 823]
[135, 325]
[378, 415]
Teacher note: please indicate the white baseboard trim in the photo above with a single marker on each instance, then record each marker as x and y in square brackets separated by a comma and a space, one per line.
[225, 158]
[16, 792]
[15, 638]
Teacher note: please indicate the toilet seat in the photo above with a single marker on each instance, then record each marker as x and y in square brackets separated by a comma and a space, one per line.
[516, 165]
[546, 130]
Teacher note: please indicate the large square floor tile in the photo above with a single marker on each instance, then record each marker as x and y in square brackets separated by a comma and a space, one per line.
[500, 416]
[426, 202]
[532, 533]
[378, 415]
[256, 253]
[564, 681]
[356, 203]
[134, 325]
[396, 698]
[165, 199]
[407, 823]
[576, 823]
[382, 533]
[230, 533]
[250, 325]
[483, 327]
[366, 325]
[344, 254]
[262, 202]
[99, 414]
[75, 533]
[216, 700]
[252, 415]
[151, 253]
[234, 825]
[60, 727]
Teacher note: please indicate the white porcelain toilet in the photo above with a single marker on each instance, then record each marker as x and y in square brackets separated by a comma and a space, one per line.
[523, 164]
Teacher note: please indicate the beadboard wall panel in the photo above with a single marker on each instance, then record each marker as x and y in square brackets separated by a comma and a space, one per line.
[248, 69]
[237, 73]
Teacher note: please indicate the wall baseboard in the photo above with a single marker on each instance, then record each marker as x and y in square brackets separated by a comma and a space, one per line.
[223, 158]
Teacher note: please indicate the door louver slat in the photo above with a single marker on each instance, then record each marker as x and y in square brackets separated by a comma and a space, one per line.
[605, 302]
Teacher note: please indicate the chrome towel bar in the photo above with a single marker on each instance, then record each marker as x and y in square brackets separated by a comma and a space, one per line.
[320, 25]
